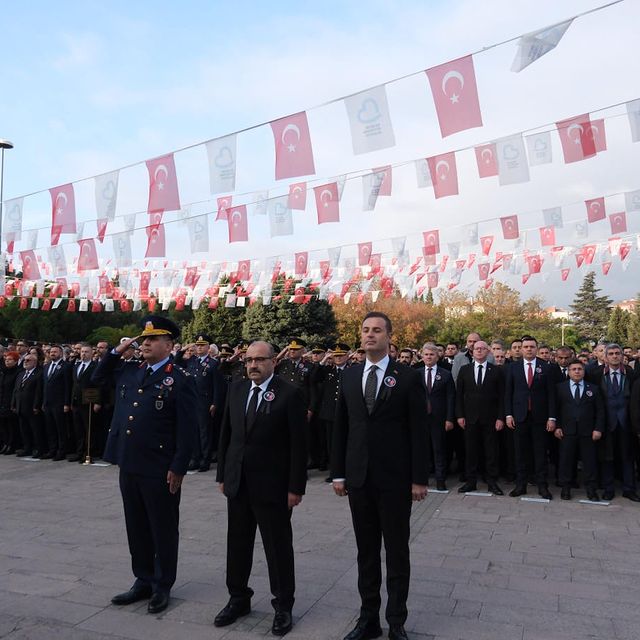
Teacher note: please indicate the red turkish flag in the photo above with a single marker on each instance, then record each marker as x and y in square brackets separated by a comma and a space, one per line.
[483, 270]
[598, 134]
[151, 304]
[535, 263]
[487, 160]
[455, 93]
[102, 228]
[88, 258]
[547, 236]
[237, 223]
[191, 277]
[431, 241]
[432, 279]
[595, 209]
[589, 253]
[325, 269]
[385, 185]
[327, 203]
[224, 203]
[298, 196]
[294, 155]
[71, 306]
[30, 270]
[444, 174]
[510, 230]
[486, 242]
[605, 267]
[96, 306]
[618, 222]
[364, 253]
[564, 274]
[46, 304]
[63, 209]
[625, 248]
[471, 260]
[301, 263]
[244, 270]
[23, 303]
[156, 244]
[580, 259]
[525, 278]
[163, 185]
[577, 138]
[460, 264]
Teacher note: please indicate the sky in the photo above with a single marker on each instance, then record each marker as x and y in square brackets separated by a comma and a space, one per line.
[90, 87]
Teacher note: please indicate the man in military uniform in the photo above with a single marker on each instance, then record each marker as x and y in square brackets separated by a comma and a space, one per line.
[151, 439]
[232, 364]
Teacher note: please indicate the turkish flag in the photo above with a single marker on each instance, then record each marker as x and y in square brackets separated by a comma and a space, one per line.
[483, 270]
[88, 258]
[102, 228]
[71, 306]
[237, 223]
[471, 260]
[598, 134]
[605, 267]
[460, 264]
[576, 136]
[444, 174]
[294, 155]
[224, 202]
[510, 230]
[297, 196]
[163, 185]
[431, 241]
[156, 245]
[23, 303]
[432, 279]
[535, 263]
[96, 306]
[564, 274]
[327, 203]
[301, 263]
[547, 236]
[486, 242]
[580, 259]
[46, 304]
[385, 185]
[589, 252]
[191, 277]
[30, 270]
[625, 248]
[618, 222]
[125, 306]
[244, 270]
[63, 210]
[428, 256]
[525, 278]
[487, 160]
[455, 94]
[325, 269]
[595, 209]
[364, 253]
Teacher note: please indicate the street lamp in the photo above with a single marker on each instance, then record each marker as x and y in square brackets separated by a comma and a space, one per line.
[4, 144]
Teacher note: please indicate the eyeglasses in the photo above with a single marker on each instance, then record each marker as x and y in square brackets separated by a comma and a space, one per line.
[258, 360]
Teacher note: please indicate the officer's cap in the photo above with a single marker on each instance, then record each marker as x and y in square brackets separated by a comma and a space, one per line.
[159, 326]
[203, 338]
[340, 349]
[297, 343]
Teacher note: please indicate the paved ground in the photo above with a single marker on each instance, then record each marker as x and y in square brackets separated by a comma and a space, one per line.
[483, 567]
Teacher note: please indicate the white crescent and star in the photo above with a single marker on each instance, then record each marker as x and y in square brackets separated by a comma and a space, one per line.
[444, 164]
[326, 201]
[236, 218]
[454, 97]
[161, 168]
[61, 197]
[290, 127]
[574, 127]
[487, 155]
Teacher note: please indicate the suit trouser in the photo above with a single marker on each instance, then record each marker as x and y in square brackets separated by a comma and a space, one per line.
[531, 437]
[81, 427]
[455, 444]
[318, 452]
[202, 452]
[378, 514]
[32, 432]
[481, 437]
[438, 448]
[152, 515]
[56, 422]
[274, 521]
[623, 454]
[569, 447]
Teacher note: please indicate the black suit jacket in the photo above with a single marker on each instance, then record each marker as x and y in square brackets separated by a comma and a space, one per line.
[442, 397]
[56, 388]
[388, 448]
[484, 403]
[80, 383]
[272, 456]
[27, 396]
[542, 393]
[580, 418]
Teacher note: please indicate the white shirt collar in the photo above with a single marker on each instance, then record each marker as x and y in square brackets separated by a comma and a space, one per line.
[264, 386]
[382, 364]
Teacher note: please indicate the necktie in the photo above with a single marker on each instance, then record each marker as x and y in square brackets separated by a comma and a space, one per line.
[252, 409]
[52, 366]
[148, 372]
[576, 393]
[429, 380]
[479, 380]
[83, 366]
[564, 372]
[371, 388]
[529, 374]
[25, 378]
[614, 384]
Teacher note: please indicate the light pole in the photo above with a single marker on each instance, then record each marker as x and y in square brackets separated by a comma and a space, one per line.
[4, 144]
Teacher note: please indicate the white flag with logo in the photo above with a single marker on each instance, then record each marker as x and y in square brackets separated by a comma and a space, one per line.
[260, 201]
[199, 233]
[537, 43]
[371, 183]
[340, 182]
[222, 164]
[454, 250]
[31, 239]
[106, 190]
[471, 234]
[581, 229]
[423, 174]
[398, 245]
[12, 223]
[553, 217]
[57, 260]
[369, 120]
[512, 160]
[539, 148]
[129, 221]
[334, 256]
[122, 249]
[632, 200]
[280, 218]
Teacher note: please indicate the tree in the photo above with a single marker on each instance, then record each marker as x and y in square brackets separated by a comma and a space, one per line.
[633, 328]
[222, 324]
[590, 310]
[618, 326]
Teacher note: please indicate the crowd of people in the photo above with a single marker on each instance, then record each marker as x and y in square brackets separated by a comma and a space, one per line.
[506, 425]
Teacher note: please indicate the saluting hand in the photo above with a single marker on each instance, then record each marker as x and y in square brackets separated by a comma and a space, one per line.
[174, 481]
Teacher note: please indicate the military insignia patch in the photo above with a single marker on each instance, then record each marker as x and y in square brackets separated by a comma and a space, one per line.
[159, 404]
[168, 381]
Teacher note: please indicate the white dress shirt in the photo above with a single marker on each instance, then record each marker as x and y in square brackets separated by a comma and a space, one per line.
[382, 367]
[263, 387]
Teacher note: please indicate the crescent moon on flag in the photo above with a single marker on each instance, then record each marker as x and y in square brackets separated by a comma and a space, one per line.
[296, 189]
[448, 76]
[442, 163]
[236, 218]
[431, 240]
[364, 250]
[328, 193]
[61, 196]
[573, 128]
[160, 168]
[595, 207]
[508, 223]
[290, 127]
[487, 155]
[301, 260]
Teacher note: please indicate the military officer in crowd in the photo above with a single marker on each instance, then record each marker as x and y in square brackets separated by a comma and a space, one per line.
[231, 365]
[151, 439]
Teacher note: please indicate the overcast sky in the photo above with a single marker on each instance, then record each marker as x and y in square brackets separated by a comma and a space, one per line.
[92, 86]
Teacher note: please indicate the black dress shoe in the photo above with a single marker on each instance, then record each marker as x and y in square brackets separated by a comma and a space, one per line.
[565, 494]
[281, 623]
[518, 491]
[159, 602]
[204, 467]
[231, 613]
[193, 466]
[441, 486]
[631, 495]
[592, 495]
[36, 454]
[23, 453]
[329, 479]
[466, 487]
[364, 630]
[397, 632]
[543, 492]
[58, 457]
[495, 489]
[608, 495]
[73, 458]
[133, 595]
[46, 456]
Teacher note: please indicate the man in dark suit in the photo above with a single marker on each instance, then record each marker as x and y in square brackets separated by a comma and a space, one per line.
[440, 408]
[262, 460]
[530, 406]
[81, 406]
[27, 403]
[151, 438]
[379, 457]
[579, 426]
[480, 412]
[56, 402]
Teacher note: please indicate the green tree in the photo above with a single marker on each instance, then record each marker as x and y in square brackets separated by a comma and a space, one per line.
[590, 310]
[633, 328]
[617, 329]
[223, 324]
